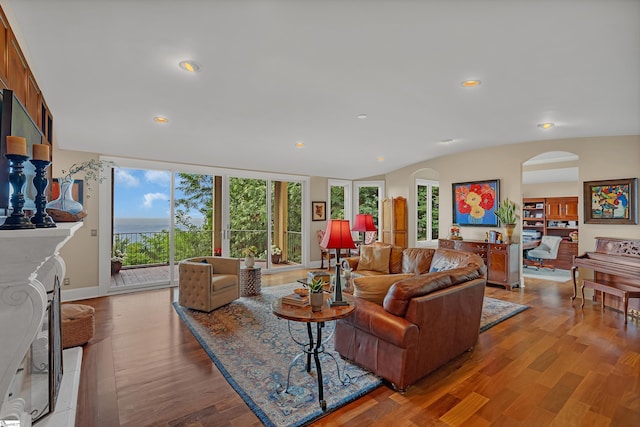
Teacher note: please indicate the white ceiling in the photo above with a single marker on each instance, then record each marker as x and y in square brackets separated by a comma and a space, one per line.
[277, 72]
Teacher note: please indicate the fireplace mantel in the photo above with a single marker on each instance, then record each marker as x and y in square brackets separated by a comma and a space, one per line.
[26, 258]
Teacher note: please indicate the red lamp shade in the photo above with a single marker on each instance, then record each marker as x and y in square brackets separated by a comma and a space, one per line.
[364, 223]
[337, 235]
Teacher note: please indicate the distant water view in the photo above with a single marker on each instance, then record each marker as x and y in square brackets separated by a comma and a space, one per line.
[146, 225]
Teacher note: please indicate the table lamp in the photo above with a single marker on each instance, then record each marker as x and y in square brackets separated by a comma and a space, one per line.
[338, 237]
[364, 223]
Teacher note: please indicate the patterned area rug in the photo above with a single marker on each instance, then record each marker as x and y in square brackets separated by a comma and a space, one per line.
[253, 350]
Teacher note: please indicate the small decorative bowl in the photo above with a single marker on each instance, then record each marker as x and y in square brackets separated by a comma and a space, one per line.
[301, 291]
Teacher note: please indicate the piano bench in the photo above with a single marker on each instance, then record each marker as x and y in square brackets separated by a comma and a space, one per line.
[618, 289]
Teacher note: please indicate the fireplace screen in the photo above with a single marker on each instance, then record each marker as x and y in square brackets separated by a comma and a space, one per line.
[38, 379]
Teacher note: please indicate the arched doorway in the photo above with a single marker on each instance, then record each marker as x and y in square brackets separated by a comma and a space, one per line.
[550, 200]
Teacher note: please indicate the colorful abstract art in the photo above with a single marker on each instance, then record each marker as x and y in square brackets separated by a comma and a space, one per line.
[474, 203]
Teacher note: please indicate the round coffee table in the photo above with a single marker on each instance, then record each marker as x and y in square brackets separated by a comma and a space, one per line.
[315, 345]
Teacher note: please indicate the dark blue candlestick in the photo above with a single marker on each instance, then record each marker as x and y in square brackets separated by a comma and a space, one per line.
[41, 219]
[17, 178]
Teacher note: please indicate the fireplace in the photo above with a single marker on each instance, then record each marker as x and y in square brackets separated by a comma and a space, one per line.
[30, 322]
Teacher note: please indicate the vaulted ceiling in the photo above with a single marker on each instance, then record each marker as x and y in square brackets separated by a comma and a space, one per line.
[276, 73]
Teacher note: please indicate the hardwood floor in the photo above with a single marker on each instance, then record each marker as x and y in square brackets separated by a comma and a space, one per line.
[553, 364]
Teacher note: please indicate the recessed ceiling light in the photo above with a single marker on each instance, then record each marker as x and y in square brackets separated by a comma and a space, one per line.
[471, 83]
[380, 159]
[361, 116]
[160, 119]
[189, 66]
[546, 125]
[299, 144]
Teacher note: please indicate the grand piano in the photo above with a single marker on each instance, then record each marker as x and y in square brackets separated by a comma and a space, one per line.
[616, 264]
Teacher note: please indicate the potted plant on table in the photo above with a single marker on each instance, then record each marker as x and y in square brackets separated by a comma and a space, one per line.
[116, 261]
[316, 296]
[276, 254]
[506, 213]
[250, 256]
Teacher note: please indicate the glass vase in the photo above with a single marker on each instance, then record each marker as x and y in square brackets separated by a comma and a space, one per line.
[65, 201]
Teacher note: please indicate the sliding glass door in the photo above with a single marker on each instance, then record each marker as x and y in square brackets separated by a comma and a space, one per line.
[265, 214]
[161, 217]
[141, 227]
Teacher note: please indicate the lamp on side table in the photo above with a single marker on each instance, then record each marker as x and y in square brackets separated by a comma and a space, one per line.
[338, 237]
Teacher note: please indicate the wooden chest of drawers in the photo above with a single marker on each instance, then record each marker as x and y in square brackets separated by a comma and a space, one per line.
[502, 259]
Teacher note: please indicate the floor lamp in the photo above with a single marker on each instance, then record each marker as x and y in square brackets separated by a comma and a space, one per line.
[338, 237]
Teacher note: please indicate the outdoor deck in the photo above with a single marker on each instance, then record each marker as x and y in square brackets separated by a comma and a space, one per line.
[134, 276]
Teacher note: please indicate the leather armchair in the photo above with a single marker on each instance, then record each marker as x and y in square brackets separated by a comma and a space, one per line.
[208, 285]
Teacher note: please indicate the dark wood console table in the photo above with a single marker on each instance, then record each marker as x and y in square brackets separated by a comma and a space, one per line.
[502, 259]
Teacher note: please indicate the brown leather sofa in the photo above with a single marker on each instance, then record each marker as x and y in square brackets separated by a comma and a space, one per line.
[425, 319]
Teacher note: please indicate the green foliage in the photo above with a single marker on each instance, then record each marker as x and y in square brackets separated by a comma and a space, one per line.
[248, 222]
[368, 202]
[91, 170]
[337, 202]
[424, 217]
[506, 212]
[316, 285]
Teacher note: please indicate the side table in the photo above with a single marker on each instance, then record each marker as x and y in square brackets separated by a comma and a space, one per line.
[315, 345]
[250, 281]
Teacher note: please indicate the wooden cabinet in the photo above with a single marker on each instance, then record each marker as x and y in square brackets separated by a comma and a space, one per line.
[504, 264]
[562, 208]
[562, 216]
[558, 217]
[395, 221]
[502, 259]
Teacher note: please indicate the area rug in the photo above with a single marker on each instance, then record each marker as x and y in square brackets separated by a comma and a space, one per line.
[252, 348]
[557, 275]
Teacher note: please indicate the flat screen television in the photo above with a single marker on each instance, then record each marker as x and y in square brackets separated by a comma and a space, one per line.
[14, 120]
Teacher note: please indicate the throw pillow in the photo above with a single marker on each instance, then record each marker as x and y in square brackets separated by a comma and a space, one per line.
[374, 288]
[374, 258]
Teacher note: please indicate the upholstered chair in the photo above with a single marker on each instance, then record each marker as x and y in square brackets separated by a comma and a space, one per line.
[547, 250]
[207, 283]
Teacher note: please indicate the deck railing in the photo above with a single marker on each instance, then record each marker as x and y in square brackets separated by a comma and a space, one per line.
[152, 248]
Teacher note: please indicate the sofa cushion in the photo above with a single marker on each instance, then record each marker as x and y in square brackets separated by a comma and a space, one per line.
[447, 259]
[374, 288]
[400, 294]
[417, 260]
[375, 258]
[223, 281]
[395, 260]
[372, 319]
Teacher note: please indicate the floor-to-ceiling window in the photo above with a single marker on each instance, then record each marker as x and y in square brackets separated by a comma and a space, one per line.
[427, 212]
[162, 214]
[141, 224]
[267, 214]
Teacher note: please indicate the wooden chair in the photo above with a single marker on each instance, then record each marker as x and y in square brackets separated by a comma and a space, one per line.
[324, 253]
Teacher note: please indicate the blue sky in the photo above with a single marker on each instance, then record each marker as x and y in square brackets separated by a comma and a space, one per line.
[141, 193]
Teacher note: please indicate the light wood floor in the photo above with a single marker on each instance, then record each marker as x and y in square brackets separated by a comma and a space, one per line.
[550, 365]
